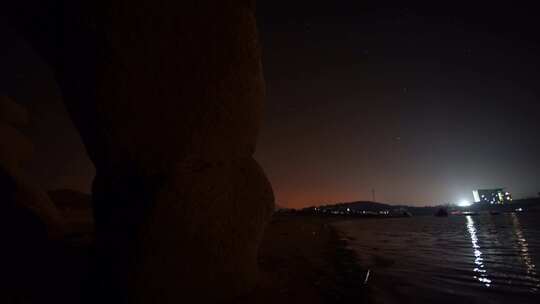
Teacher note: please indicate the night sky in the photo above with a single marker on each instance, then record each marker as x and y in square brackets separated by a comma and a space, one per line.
[422, 103]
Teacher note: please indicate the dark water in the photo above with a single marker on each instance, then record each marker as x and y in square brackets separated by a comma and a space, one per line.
[469, 259]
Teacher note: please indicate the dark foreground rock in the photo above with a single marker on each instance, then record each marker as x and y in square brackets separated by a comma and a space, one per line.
[302, 260]
[18, 195]
[36, 266]
[77, 213]
[168, 98]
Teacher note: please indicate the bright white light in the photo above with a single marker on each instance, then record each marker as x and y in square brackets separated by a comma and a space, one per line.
[464, 203]
[479, 265]
[476, 196]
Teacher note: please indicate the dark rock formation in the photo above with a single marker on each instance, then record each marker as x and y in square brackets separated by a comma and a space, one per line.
[12, 113]
[167, 97]
[70, 200]
[76, 211]
[15, 148]
[29, 221]
[16, 192]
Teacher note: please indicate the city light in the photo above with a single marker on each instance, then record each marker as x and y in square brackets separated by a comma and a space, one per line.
[464, 203]
[492, 196]
[476, 196]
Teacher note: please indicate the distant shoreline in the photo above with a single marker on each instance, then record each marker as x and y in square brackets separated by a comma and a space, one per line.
[368, 209]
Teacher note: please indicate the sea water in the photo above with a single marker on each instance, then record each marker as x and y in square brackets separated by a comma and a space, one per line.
[456, 259]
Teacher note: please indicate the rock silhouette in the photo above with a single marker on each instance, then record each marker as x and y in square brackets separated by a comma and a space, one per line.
[29, 221]
[12, 113]
[17, 192]
[167, 97]
[76, 211]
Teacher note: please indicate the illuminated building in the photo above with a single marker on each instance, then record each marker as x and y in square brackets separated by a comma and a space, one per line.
[492, 196]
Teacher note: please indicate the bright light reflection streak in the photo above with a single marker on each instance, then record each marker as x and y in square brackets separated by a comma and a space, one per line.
[524, 253]
[479, 269]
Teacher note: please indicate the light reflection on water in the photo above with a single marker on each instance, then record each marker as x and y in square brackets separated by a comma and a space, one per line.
[477, 259]
[530, 267]
[479, 267]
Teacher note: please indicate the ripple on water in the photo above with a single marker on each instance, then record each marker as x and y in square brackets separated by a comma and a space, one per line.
[482, 258]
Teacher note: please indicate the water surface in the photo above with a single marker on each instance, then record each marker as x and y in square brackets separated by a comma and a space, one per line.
[470, 259]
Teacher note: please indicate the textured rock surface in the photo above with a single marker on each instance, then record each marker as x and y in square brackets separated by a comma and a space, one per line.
[196, 69]
[168, 101]
[184, 138]
[12, 113]
[76, 211]
[215, 207]
[15, 148]
[16, 191]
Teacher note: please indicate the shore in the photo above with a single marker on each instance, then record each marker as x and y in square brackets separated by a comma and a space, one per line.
[304, 259]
